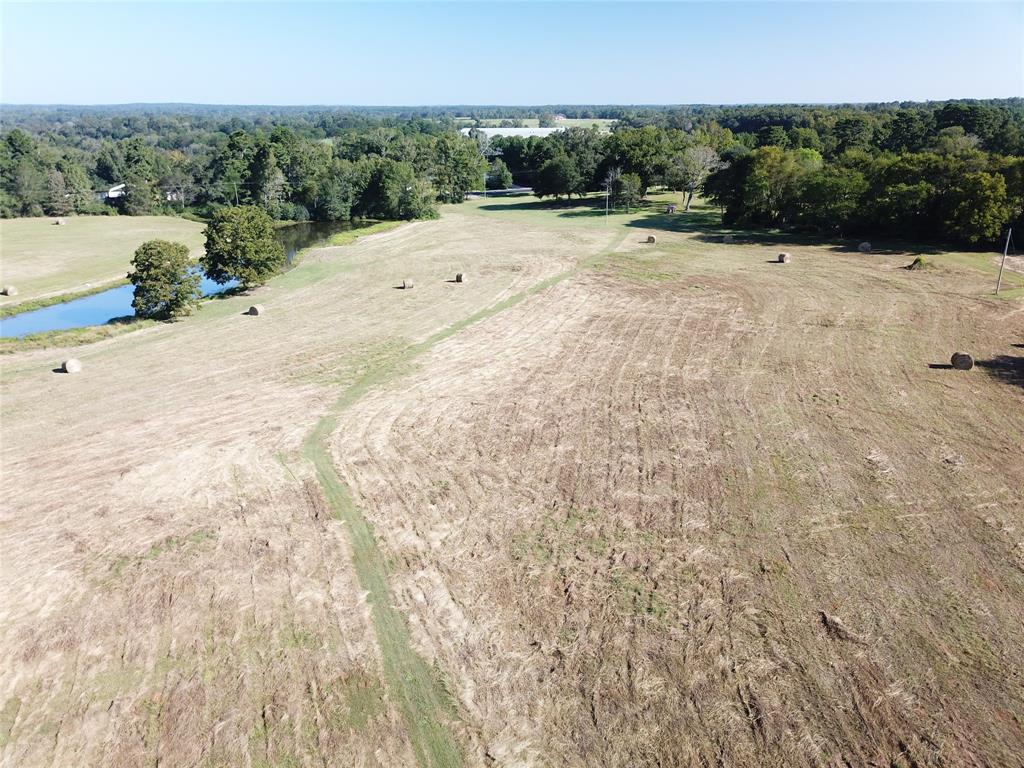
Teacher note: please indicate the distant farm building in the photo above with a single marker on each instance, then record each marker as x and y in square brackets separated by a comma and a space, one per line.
[490, 133]
[113, 193]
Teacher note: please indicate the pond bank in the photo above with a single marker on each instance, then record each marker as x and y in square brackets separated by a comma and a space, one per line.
[113, 302]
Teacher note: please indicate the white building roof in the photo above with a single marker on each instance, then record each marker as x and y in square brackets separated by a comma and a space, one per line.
[492, 132]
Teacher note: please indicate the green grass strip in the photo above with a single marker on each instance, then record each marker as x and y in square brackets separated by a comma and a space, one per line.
[351, 235]
[420, 692]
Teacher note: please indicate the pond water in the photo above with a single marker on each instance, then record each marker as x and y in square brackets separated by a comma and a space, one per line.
[116, 303]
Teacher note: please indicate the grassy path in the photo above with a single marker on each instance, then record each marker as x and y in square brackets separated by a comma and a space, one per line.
[418, 689]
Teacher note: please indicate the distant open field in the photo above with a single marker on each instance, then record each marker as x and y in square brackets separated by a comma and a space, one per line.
[606, 503]
[40, 258]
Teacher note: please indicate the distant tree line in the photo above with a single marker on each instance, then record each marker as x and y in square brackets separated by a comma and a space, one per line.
[952, 172]
[361, 168]
[942, 171]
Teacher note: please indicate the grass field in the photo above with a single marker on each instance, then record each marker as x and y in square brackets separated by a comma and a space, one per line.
[41, 259]
[605, 503]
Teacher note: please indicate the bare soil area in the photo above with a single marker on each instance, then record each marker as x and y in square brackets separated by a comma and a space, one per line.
[629, 505]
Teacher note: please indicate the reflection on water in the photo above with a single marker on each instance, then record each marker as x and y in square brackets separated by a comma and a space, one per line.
[115, 303]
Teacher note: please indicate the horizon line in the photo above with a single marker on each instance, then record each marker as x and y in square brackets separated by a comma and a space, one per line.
[442, 105]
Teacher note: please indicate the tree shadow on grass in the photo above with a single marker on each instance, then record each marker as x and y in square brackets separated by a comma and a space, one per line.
[528, 205]
[833, 242]
[228, 293]
[1008, 369]
[706, 223]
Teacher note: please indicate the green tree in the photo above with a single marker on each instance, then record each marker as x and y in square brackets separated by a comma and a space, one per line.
[909, 131]
[585, 146]
[692, 167]
[499, 177]
[76, 182]
[829, 199]
[627, 189]
[140, 195]
[459, 168]
[854, 130]
[804, 138]
[978, 208]
[556, 177]
[229, 170]
[642, 151]
[58, 200]
[392, 190]
[769, 191]
[773, 136]
[166, 287]
[29, 188]
[265, 181]
[240, 245]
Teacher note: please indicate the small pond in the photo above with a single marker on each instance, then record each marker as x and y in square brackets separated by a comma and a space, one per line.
[116, 302]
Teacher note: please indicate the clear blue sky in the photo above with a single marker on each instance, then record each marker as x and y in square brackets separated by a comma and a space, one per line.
[388, 53]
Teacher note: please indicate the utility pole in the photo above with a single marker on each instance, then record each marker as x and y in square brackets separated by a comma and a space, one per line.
[1006, 248]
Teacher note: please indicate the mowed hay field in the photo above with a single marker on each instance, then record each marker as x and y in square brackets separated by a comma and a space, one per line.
[40, 258]
[606, 503]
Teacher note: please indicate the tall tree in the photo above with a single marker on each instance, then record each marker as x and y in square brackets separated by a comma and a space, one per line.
[166, 286]
[556, 177]
[627, 189]
[240, 245]
[58, 201]
[499, 176]
[459, 168]
[693, 167]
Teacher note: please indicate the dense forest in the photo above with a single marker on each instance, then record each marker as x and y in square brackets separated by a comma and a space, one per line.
[947, 171]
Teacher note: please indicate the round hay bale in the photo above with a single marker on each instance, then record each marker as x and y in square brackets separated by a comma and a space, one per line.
[962, 361]
[256, 309]
[58, 222]
[728, 239]
[71, 365]
[407, 285]
[864, 247]
[652, 239]
[459, 277]
[783, 258]
[10, 290]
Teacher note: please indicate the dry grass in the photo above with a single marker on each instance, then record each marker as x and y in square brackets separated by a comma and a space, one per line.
[682, 509]
[44, 260]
